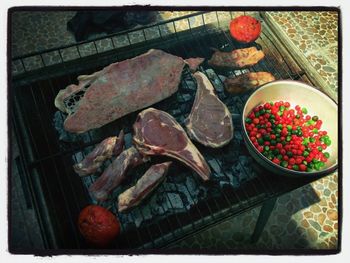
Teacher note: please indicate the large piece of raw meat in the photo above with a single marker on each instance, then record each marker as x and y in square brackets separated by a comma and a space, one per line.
[210, 121]
[158, 133]
[120, 88]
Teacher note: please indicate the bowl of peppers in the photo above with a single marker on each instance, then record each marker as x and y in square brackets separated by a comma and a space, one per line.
[291, 128]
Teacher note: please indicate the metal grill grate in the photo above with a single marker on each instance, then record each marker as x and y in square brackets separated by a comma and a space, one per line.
[183, 204]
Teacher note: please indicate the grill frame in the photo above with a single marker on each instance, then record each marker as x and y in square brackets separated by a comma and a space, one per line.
[246, 196]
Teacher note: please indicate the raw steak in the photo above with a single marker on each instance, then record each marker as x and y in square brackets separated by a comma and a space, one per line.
[103, 151]
[247, 81]
[210, 121]
[119, 89]
[115, 173]
[236, 59]
[158, 133]
[144, 186]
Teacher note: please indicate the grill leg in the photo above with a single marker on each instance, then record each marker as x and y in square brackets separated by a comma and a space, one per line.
[264, 215]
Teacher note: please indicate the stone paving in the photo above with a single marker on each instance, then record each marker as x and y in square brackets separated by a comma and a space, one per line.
[304, 218]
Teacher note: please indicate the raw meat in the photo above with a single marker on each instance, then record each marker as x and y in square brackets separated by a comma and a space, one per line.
[119, 89]
[247, 81]
[103, 151]
[158, 133]
[144, 186]
[236, 59]
[193, 63]
[210, 121]
[115, 173]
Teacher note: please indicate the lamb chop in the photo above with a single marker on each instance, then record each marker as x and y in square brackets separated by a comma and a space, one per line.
[236, 59]
[121, 88]
[158, 133]
[116, 173]
[144, 186]
[111, 146]
[247, 81]
[210, 121]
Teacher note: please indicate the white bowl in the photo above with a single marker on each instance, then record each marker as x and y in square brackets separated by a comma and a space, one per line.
[297, 93]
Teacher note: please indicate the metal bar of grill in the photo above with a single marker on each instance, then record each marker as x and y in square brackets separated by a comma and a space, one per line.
[48, 152]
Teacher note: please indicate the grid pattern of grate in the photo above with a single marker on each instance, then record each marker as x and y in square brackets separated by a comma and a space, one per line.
[182, 204]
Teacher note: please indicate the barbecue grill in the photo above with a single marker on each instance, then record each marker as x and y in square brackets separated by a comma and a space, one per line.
[183, 204]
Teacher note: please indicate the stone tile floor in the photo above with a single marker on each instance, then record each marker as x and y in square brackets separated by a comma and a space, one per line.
[304, 218]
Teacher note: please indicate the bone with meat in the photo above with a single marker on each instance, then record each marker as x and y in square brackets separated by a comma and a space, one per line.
[236, 59]
[144, 186]
[158, 133]
[210, 121]
[247, 81]
[121, 88]
[116, 173]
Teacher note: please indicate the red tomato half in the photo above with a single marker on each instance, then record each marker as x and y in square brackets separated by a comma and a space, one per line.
[245, 29]
[98, 225]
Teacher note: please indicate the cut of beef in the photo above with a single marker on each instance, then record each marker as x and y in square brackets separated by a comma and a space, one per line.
[144, 186]
[115, 173]
[158, 133]
[247, 81]
[119, 89]
[210, 121]
[112, 146]
[236, 59]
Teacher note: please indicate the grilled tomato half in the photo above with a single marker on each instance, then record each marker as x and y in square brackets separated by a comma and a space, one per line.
[98, 225]
[245, 29]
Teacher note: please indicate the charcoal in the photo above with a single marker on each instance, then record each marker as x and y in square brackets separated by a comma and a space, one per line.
[184, 97]
[215, 166]
[128, 140]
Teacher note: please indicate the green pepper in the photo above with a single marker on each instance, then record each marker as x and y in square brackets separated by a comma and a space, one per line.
[267, 148]
[289, 154]
[289, 127]
[288, 138]
[282, 108]
[305, 153]
[309, 169]
[312, 140]
[319, 148]
[304, 110]
[328, 142]
[261, 112]
[326, 155]
[248, 120]
[315, 130]
[260, 141]
[295, 167]
[297, 116]
[273, 142]
[279, 156]
[284, 164]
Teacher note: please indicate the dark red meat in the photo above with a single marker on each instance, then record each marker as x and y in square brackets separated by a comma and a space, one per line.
[112, 146]
[144, 186]
[210, 121]
[115, 173]
[158, 133]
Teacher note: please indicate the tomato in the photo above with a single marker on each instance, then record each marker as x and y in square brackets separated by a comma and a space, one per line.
[98, 225]
[245, 29]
